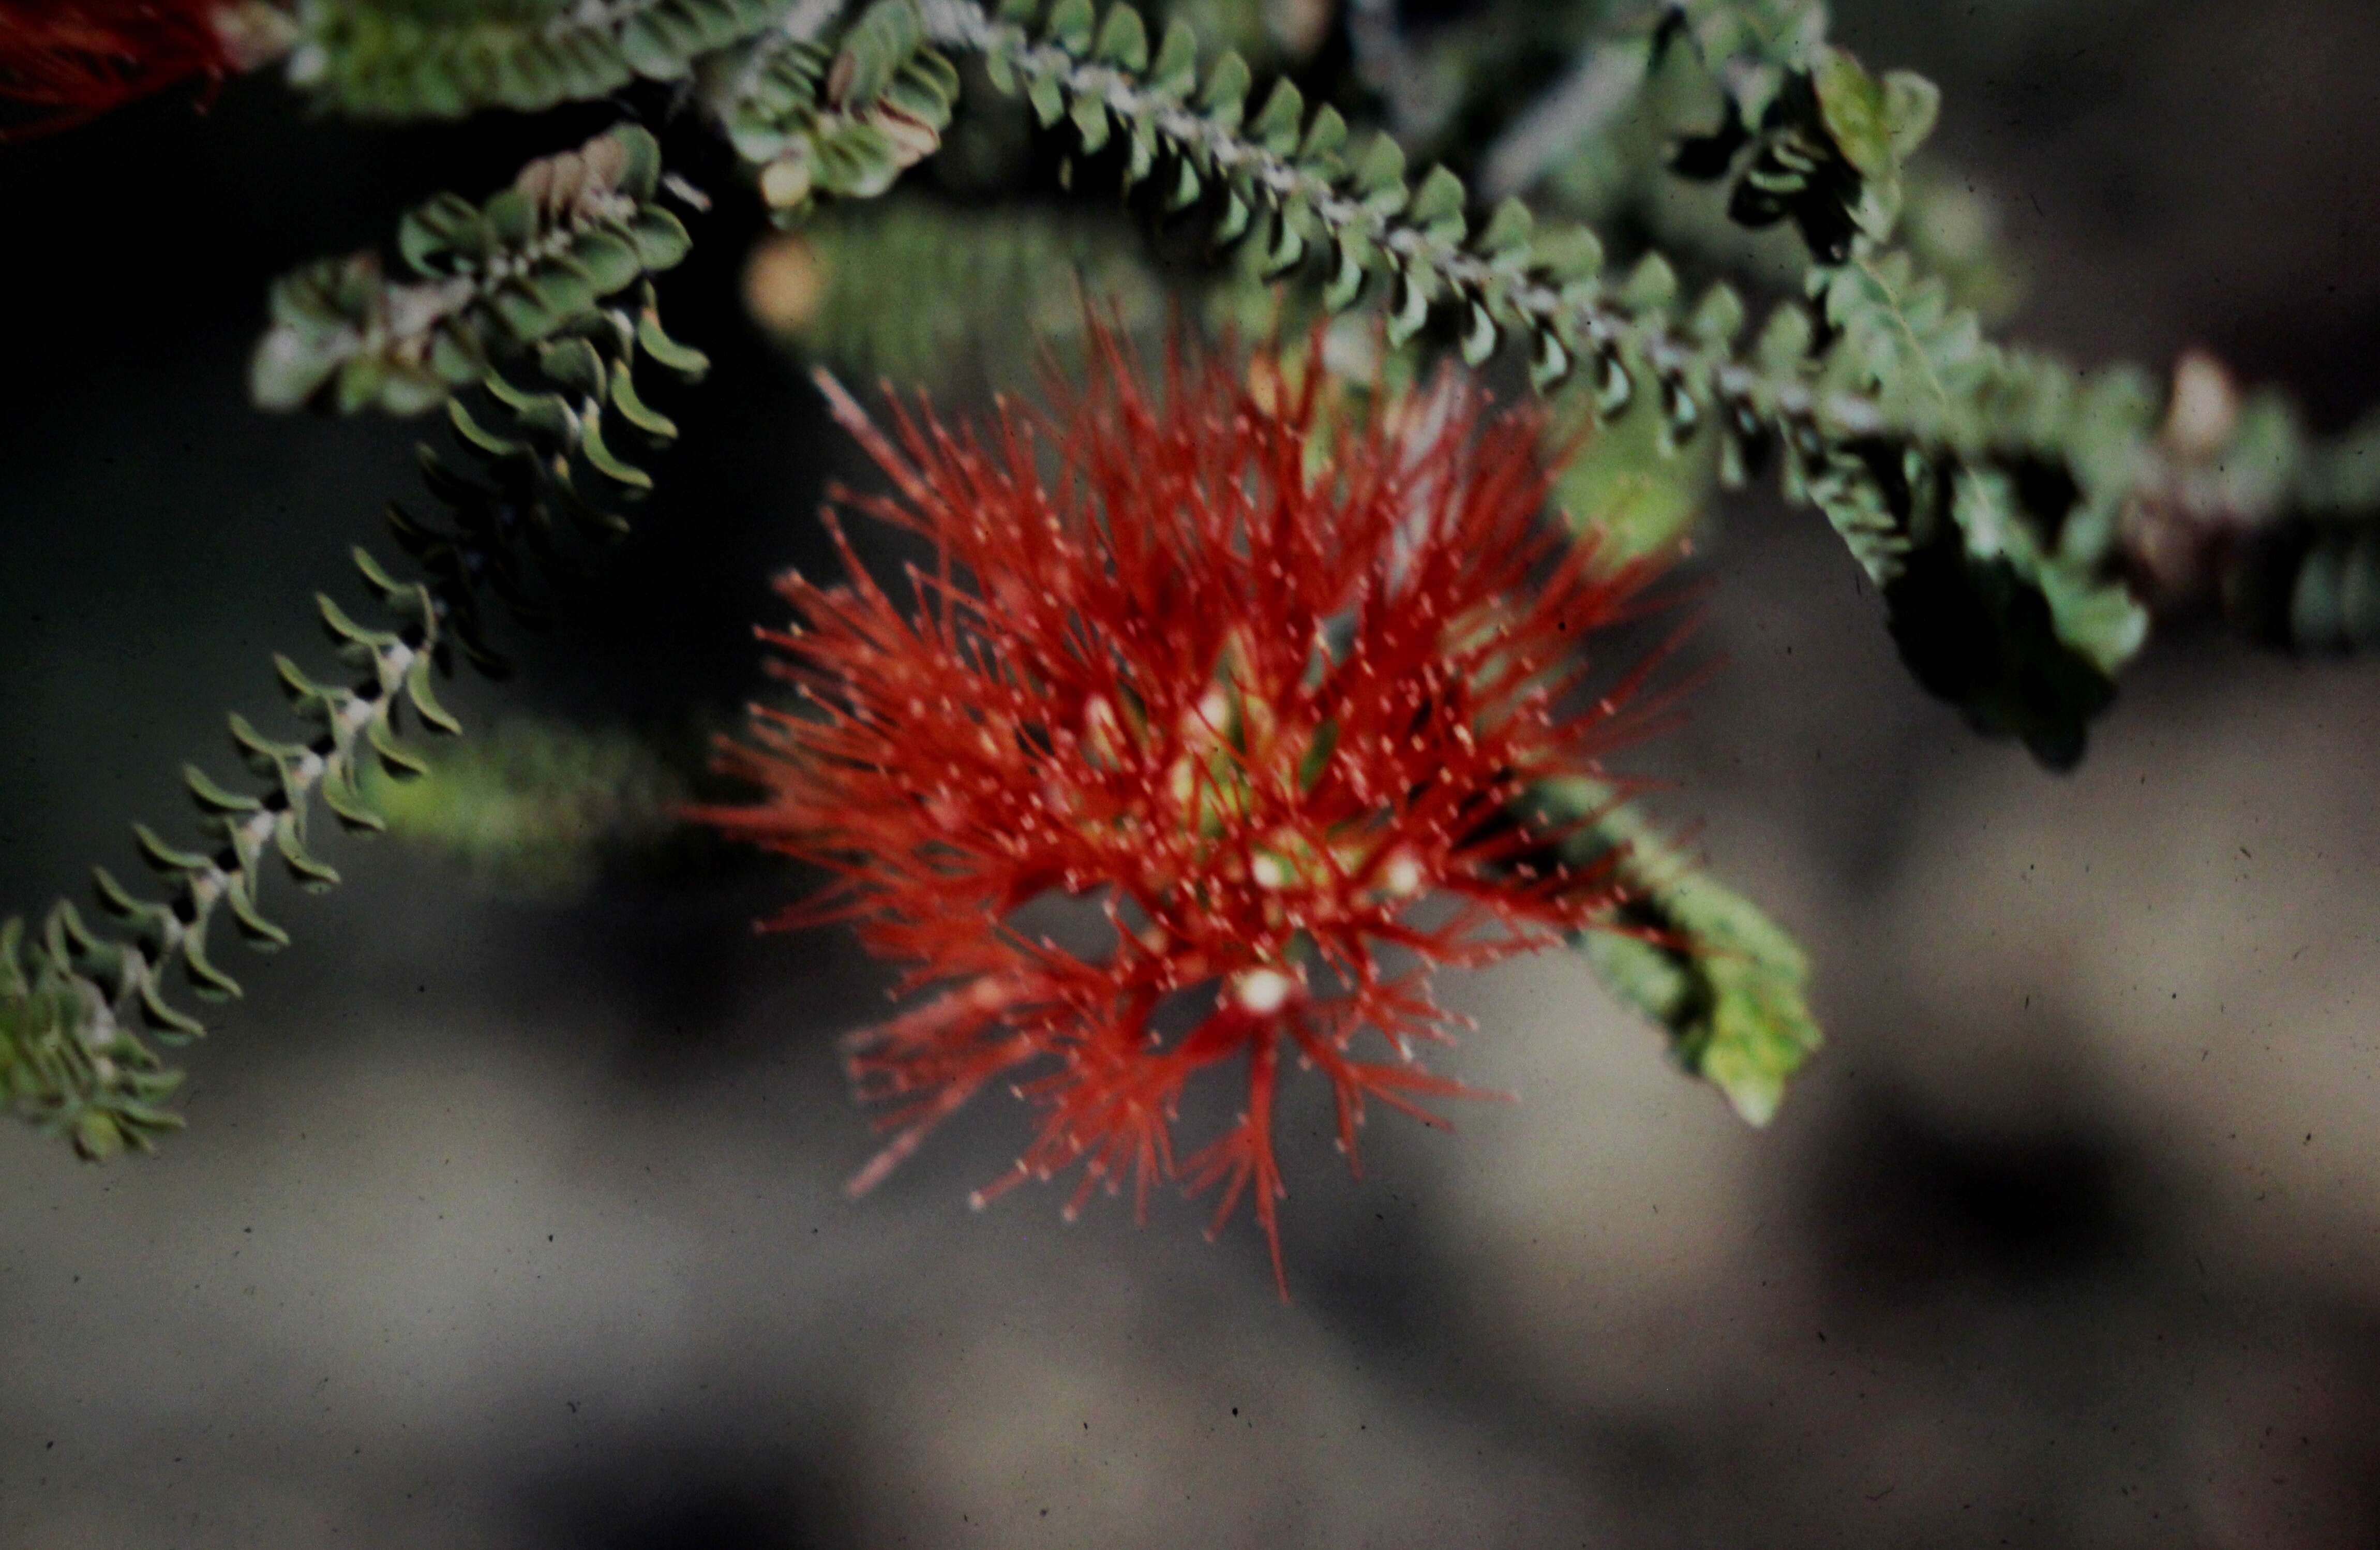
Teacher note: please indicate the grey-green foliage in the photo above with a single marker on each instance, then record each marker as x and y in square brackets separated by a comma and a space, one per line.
[76, 997]
[535, 807]
[445, 58]
[1982, 488]
[1987, 513]
[842, 121]
[1976, 485]
[816, 116]
[550, 312]
[1726, 983]
[1986, 492]
[1003, 284]
[83, 1003]
[2001, 533]
[534, 264]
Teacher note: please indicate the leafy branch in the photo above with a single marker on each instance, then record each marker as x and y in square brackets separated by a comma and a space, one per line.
[1694, 958]
[840, 120]
[447, 58]
[78, 997]
[2018, 519]
[1982, 488]
[488, 281]
[1993, 497]
[1851, 436]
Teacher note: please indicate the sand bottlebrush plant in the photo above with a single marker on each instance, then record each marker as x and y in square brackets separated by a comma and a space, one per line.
[1262, 680]
[1263, 708]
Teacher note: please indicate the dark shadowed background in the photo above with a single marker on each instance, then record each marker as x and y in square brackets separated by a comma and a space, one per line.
[512, 1223]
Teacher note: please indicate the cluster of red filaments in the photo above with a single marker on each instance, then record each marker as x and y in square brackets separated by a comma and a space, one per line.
[62, 62]
[1263, 683]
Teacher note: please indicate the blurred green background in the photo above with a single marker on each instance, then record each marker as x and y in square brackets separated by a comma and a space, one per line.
[510, 1211]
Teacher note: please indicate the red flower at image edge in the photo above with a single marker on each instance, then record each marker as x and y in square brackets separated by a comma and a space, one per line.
[64, 62]
[1261, 682]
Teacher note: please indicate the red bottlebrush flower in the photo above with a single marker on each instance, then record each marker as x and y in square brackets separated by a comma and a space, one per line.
[1258, 681]
[65, 62]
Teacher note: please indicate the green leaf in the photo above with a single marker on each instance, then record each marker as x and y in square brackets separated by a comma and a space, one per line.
[1651, 287]
[1277, 125]
[358, 383]
[1070, 26]
[1437, 204]
[171, 1022]
[1175, 73]
[1287, 250]
[1718, 318]
[1048, 99]
[427, 236]
[473, 433]
[605, 462]
[1090, 117]
[521, 308]
[1124, 40]
[650, 50]
[1911, 107]
[1232, 224]
[1480, 336]
[400, 761]
[634, 410]
[1854, 107]
[1508, 228]
[422, 691]
[1568, 254]
[1355, 256]
[1325, 137]
[512, 218]
[641, 179]
[260, 933]
[1380, 175]
[877, 46]
[1785, 340]
[573, 364]
[349, 808]
[1186, 190]
[164, 858]
[661, 239]
[215, 799]
[310, 874]
[610, 260]
[287, 369]
[684, 359]
[1549, 360]
[12, 965]
[1409, 307]
[209, 983]
[1225, 99]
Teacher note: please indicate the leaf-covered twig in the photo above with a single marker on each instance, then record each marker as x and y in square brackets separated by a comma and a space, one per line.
[842, 120]
[1289, 179]
[535, 263]
[1982, 488]
[816, 116]
[446, 58]
[81, 1002]
[1700, 962]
